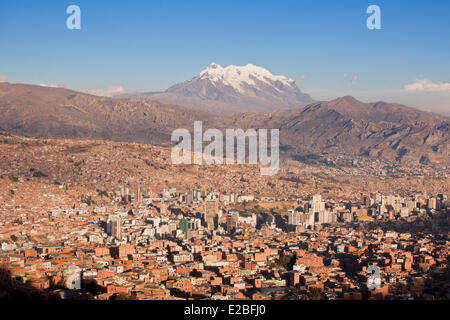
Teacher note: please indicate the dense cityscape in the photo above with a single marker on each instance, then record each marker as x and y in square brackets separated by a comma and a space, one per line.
[225, 159]
[61, 238]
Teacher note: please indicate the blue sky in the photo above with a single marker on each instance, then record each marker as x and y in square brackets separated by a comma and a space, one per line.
[151, 45]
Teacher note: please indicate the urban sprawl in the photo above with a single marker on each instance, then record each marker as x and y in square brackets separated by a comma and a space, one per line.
[206, 243]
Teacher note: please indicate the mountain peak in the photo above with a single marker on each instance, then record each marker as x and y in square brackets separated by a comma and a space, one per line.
[238, 77]
[235, 89]
[346, 99]
[213, 65]
[348, 105]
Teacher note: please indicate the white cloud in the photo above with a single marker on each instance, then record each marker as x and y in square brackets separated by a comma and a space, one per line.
[107, 92]
[354, 79]
[4, 79]
[428, 86]
[53, 85]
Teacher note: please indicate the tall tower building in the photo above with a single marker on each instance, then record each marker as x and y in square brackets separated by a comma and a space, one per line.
[316, 210]
[294, 218]
[232, 221]
[317, 204]
[139, 195]
[211, 210]
[432, 203]
[114, 226]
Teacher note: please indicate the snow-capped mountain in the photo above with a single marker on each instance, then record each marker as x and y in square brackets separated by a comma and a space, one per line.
[235, 89]
[240, 78]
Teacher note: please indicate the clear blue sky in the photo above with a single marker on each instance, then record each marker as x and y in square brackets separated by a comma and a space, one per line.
[150, 45]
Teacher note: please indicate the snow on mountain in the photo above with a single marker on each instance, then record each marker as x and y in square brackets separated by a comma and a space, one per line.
[235, 89]
[235, 76]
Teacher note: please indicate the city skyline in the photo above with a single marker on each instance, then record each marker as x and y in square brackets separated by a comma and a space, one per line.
[233, 151]
[216, 236]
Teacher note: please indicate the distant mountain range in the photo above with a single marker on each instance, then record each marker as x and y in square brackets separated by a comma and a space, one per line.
[46, 112]
[347, 126]
[344, 126]
[233, 89]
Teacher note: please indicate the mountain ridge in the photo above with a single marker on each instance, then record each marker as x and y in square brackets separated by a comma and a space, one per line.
[344, 126]
[233, 89]
[348, 126]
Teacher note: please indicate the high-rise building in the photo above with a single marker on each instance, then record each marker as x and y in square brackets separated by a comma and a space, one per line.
[294, 218]
[232, 221]
[411, 205]
[114, 226]
[139, 195]
[189, 197]
[317, 204]
[432, 203]
[316, 210]
[404, 212]
[211, 210]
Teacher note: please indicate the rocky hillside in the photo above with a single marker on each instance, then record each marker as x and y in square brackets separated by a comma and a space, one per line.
[344, 126]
